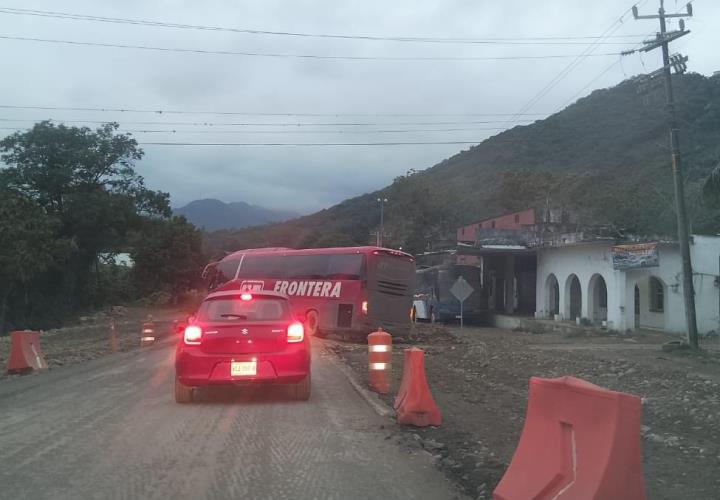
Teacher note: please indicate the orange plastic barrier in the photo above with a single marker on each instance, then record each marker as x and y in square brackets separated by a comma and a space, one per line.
[25, 354]
[414, 404]
[379, 361]
[580, 441]
[404, 381]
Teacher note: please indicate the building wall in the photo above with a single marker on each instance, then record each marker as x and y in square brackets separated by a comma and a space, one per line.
[586, 260]
[515, 220]
[583, 261]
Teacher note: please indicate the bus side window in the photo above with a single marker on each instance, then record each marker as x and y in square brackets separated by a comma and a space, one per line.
[225, 271]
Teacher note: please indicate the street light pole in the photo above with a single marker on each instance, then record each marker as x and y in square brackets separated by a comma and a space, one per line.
[381, 231]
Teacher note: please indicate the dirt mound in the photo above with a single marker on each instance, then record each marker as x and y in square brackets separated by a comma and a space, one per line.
[424, 333]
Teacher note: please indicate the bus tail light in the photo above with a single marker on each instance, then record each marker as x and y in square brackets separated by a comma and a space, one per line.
[193, 335]
[364, 307]
[295, 332]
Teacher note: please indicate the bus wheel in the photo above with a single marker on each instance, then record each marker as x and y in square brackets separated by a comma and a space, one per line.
[311, 323]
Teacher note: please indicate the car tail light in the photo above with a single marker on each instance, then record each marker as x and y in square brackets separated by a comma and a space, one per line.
[364, 307]
[245, 296]
[193, 335]
[295, 332]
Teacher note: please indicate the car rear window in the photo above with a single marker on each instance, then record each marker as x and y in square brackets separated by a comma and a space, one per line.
[232, 308]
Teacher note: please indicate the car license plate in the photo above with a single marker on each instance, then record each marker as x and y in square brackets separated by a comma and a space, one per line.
[243, 368]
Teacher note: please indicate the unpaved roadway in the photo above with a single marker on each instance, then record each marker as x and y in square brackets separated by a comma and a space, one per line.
[109, 428]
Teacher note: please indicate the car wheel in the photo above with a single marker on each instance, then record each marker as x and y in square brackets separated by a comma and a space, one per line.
[183, 393]
[311, 323]
[302, 390]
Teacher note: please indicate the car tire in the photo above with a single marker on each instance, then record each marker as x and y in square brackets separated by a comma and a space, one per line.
[301, 391]
[183, 393]
[311, 323]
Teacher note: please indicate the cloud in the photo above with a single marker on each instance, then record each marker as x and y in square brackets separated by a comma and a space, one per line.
[310, 178]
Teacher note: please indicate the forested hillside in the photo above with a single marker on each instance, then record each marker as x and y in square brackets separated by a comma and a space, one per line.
[606, 156]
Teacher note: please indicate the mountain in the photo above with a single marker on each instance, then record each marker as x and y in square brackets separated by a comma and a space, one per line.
[212, 214]
[606, 157]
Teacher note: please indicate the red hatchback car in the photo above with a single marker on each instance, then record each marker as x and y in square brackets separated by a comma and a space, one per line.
[240, 338]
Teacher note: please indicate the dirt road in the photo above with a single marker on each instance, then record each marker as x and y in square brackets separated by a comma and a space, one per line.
[479, 378]
[109, 428]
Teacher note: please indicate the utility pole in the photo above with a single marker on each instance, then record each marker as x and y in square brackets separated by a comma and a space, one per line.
[676, 62]
[381, 231]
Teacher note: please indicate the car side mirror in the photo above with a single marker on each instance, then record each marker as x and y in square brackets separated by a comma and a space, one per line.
[300, 317]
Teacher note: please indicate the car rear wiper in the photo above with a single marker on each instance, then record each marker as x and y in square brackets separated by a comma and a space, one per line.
[236, 316]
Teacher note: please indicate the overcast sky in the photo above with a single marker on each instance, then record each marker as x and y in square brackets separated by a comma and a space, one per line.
[310, 178]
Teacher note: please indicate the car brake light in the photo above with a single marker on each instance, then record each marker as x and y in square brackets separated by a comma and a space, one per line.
[245, 296]
[364, 307]
[193, 335]
[295, 332]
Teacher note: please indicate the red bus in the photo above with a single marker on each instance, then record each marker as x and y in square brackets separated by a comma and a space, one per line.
[345, 292]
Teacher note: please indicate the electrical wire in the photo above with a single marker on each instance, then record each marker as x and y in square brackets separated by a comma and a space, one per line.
[414, 39]
[247, 113]
[286, 132]
[577, 61]
[299, 144]
[261, 124]
[297, 56]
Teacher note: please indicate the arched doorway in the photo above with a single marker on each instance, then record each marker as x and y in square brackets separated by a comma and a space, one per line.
[597, 299]
[573, 298]
[656, 303]
[552, 296]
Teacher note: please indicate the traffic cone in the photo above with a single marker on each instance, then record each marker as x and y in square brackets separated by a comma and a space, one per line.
[415, 404]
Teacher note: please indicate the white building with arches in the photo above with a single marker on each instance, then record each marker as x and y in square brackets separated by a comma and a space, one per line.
[577, 280]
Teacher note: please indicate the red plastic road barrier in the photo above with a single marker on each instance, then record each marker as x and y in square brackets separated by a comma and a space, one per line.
[25, 354]
[113, 336]
[580, 441]
[147, 336]
[414, 404]
[379, 361]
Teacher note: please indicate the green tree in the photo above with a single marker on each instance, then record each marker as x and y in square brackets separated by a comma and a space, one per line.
[28, 246]
[86, 180]
[168, 256]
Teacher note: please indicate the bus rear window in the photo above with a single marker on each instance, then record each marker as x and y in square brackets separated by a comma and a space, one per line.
[336, 266]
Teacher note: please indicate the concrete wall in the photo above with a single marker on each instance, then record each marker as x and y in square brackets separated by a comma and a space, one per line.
[587, 260]
[583, 261]
[704, 254]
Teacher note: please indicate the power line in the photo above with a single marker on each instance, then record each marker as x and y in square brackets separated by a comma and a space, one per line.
[296, 56]
[261, 124]
[597, 77]
[417, 143]
[247, 113]
[576, 62]
[414, 39]
[287, 132]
